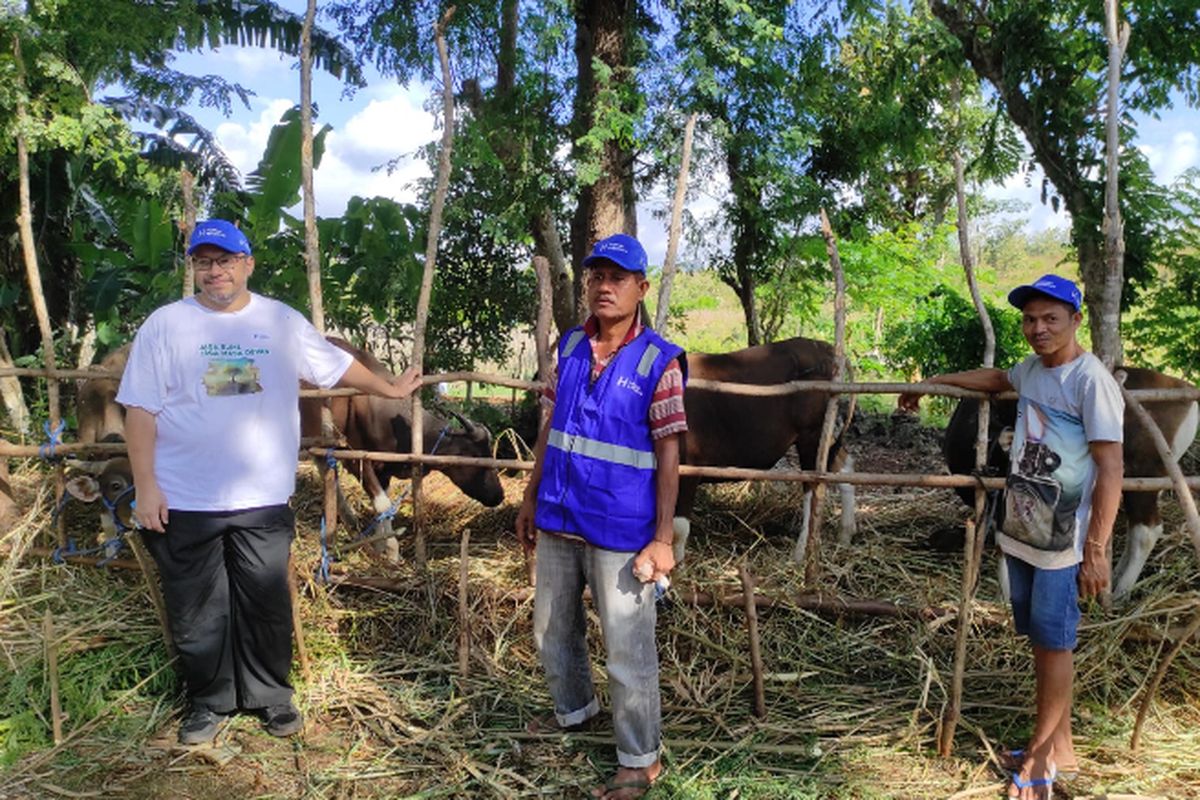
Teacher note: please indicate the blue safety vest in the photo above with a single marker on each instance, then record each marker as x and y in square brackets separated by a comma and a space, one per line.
[598, 475]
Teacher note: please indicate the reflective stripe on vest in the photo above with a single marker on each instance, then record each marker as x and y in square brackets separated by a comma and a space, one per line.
[601, 451]
[651, 353]
[572, 340]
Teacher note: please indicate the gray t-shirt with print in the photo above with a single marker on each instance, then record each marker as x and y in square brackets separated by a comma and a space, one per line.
[1059, 412]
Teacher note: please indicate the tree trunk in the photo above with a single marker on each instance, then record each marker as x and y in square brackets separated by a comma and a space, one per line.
[187, 186]
[548, 244]
[312, 254]
[681, 182]
[435, 225]
[748, 241]
[604, 207]
[1106, 331]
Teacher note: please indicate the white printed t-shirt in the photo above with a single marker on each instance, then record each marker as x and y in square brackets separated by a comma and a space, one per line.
[1060, 410]
[224, 390]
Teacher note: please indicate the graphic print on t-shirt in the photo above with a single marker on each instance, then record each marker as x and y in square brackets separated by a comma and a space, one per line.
[231, 369]
[230, 376]
[1040, 501]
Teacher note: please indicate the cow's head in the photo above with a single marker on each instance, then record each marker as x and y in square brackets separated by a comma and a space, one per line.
[480, 483]
[109, 481]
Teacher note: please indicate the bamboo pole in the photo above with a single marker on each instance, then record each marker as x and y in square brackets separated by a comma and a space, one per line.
[187, 189]
[681, 183]
[464, 608]
[751, 608]
[312, 246]
[150, 572]
[33, 274]
[745, 389]
[56, 716]
[435, 225]
[976, 531]
[810, 552]
[724, 473]
[297, 624]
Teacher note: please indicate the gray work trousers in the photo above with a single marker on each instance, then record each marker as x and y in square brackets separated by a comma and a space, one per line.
[627, 615]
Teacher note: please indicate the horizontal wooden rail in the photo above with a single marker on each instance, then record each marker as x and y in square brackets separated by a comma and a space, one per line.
[747, 389]
[723, 473]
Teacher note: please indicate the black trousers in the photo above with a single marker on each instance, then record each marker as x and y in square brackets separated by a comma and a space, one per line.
[225, 583]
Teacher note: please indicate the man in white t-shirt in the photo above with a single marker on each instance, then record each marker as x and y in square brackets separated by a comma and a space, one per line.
[211, 392]
[1062, 495]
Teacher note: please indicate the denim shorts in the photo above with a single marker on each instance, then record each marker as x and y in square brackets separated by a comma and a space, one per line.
[1045, 603]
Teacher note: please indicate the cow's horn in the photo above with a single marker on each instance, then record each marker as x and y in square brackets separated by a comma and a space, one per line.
[474, 429]
[90, 467]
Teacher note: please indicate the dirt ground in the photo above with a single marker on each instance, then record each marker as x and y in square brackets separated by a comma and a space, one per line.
[854, 703]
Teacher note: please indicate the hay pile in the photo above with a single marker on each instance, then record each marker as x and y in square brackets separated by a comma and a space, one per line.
[854, 704]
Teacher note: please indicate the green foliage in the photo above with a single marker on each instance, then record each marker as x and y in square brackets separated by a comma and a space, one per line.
[1047, 60]
[889, 121]
[89, 681]
[944, 335]
[1155, 333]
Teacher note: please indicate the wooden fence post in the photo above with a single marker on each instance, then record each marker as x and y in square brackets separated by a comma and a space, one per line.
[668, 271]
[976, 532]
[431, 246]
[808, 544]
[34, 276]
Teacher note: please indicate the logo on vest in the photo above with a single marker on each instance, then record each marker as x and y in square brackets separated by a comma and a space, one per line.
[625, 383]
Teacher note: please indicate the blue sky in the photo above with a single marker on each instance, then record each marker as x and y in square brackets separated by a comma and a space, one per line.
[385, 121]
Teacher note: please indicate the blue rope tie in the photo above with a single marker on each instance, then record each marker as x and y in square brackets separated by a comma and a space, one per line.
[53, 439]
[56, 555]
[322, 571]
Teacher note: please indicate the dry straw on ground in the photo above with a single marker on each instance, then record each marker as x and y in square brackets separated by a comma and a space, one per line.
[853, 704]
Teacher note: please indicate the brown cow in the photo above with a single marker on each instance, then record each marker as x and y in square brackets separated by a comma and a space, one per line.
[102, 419]
[1177, 419]
[380, 424]
[755, 432]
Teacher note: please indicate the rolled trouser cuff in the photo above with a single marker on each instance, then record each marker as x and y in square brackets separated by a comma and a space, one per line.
[630, 761]
[580, 716]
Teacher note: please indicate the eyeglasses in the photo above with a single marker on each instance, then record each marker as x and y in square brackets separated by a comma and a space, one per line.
[226, 261]
[596, 277]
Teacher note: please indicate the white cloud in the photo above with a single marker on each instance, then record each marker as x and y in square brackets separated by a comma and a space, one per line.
[1038, 216]
[391, 125]
[1183, 154]
[244, 142]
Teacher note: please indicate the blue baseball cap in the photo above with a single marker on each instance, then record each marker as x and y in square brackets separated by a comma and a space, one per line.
[1053, 286]
[219, 233]
[621, 249]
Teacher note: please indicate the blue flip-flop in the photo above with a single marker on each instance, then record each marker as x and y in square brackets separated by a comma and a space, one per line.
[1018, 756]
[1022, 783]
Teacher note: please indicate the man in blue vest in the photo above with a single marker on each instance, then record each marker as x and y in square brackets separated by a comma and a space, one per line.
[599, 509]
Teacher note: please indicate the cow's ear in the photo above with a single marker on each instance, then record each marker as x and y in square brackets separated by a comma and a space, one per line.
[84, 487]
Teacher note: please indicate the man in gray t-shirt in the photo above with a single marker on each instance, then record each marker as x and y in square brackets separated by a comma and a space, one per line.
[1064, 488]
